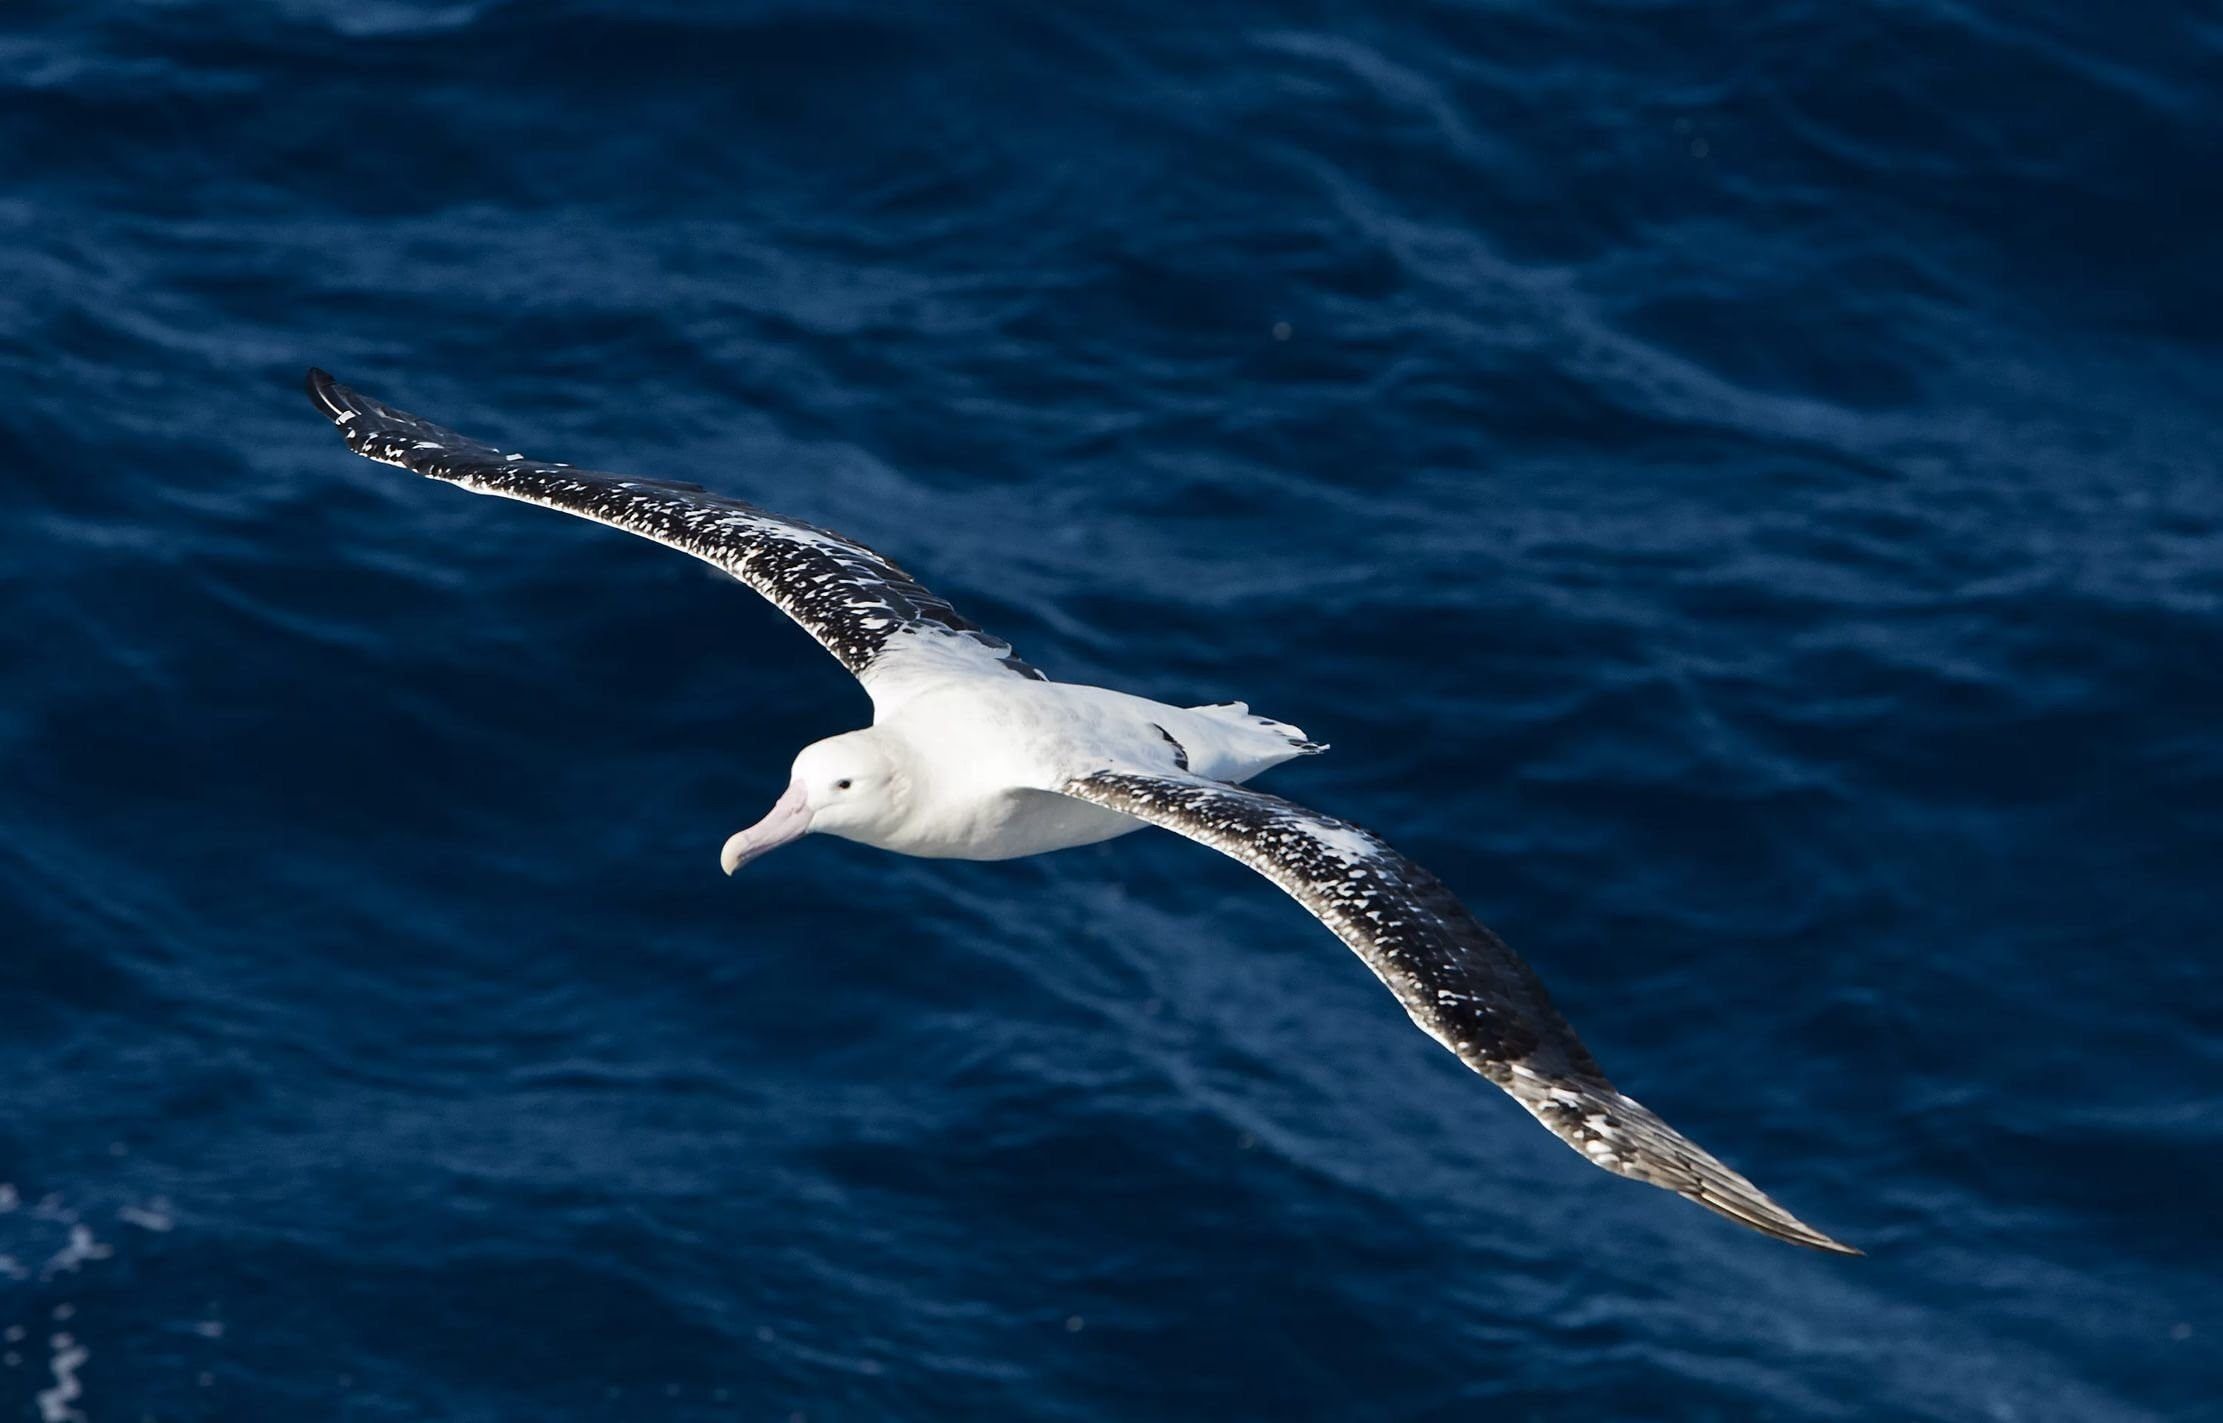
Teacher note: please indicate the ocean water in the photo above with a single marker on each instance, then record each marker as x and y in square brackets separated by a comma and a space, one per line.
[1738, 485]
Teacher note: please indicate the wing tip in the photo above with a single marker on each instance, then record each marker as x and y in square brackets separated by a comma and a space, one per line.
[1621, 1134]
[336, 402]
[324, 391]
[378, 431]
[1712, 1184]
[1757, 1212]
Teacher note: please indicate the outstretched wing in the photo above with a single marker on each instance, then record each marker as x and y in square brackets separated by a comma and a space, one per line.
[1458, 980]
[872, 616]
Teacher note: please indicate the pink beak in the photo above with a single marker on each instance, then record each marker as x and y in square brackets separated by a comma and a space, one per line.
[789, 819]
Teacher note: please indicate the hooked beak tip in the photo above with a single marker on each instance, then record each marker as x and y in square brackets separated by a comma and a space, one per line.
[788, 820]
[739, 851]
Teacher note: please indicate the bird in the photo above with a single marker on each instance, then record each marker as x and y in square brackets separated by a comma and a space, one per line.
[975, 754]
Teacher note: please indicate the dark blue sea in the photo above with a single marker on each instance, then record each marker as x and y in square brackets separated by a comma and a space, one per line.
[1741, 487]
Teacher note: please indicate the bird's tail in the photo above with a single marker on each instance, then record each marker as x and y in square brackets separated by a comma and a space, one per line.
[1289, 740]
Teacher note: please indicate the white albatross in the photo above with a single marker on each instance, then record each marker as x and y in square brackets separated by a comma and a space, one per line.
[974, 754]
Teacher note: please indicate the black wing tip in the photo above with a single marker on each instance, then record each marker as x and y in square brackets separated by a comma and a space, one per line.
[1732, 1197]
[1708, 1182]
[330, 396]
[1615, 1131]
[348, 408]
[1752, 1208]
[1774, 1222]
[378, 431]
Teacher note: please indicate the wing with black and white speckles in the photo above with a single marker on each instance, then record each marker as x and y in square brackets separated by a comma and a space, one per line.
[1458, 980]
[864, 609]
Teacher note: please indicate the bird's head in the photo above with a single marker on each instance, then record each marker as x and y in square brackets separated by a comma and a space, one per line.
[846, 785]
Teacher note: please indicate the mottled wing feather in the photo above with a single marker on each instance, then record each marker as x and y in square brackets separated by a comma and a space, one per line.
[1458, 980]
[862, 607]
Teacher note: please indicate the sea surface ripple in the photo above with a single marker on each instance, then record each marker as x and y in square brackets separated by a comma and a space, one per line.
[1738, 486]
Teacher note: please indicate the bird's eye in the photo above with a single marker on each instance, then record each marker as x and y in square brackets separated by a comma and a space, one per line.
[842, 784]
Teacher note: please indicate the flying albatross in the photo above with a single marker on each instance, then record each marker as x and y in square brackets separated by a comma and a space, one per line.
[974, 754]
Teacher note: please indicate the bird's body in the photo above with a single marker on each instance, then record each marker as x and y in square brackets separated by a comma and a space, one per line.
[984, 756]
[975, 754]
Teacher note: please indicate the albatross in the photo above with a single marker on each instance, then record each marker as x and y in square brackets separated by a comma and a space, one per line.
[975, 754]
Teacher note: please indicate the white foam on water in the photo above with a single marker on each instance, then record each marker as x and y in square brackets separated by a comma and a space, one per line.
[55, 1404]
[81, 1247]
[152, 1216]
